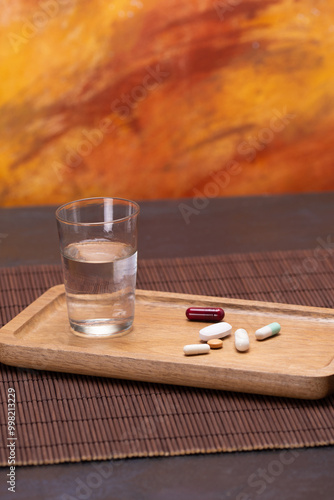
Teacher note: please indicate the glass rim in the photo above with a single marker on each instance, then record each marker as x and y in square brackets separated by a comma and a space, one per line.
[101, 198]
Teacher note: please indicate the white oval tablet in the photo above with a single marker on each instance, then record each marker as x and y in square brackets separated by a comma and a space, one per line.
[191, 349]
[241, 340]
[215, 331]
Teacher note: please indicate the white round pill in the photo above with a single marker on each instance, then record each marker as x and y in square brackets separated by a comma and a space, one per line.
[215, 331]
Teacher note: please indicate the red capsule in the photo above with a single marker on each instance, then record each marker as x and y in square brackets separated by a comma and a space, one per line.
[208, 314]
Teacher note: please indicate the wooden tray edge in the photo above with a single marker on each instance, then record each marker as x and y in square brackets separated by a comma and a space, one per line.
[312, 386]
[319, 383]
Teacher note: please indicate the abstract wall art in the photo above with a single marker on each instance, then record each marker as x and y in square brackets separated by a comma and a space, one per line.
[148, 99]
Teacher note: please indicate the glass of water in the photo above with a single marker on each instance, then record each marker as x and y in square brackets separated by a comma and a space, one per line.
[98, 245]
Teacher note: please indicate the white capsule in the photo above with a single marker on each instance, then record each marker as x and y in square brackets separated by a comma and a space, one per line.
[191, 349]
[215, 331]
[267, 331]
[241, 340]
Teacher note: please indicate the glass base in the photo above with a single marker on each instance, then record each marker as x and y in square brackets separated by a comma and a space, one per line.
[100, 328]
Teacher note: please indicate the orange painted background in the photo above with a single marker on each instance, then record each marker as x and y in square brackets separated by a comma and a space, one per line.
[151, 99]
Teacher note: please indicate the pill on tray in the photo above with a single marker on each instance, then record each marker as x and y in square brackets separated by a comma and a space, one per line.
[208, 314]
[241, 340]
[215, 343]
[216, 331]
[267, 331]
[191, 349]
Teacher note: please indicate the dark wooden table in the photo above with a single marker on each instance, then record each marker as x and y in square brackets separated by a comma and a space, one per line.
[224, 225]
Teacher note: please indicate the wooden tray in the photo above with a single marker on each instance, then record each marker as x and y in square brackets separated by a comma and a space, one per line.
[296, 363]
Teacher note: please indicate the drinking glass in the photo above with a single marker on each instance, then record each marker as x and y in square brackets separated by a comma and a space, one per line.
[98, 245]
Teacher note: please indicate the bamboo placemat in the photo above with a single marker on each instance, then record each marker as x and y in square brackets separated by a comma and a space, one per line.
[61, 417]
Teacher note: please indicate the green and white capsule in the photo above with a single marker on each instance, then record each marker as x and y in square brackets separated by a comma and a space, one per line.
[268, 331]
